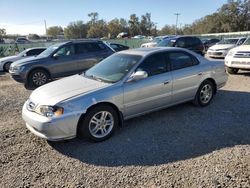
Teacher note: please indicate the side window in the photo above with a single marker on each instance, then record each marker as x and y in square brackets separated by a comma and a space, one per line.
[180, 60]
[34, 52]
[241, 41]
[180, 43]
[81, 48]
[66, 51]
[154, 64]
[94, 47]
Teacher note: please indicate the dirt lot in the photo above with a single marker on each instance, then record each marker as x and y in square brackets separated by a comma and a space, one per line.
[183, 146]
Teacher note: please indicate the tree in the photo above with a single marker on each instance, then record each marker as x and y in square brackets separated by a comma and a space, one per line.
[146, 25]
[134, 25]
[167, 30]
[54, 31]
[98, 30]
[76, 30]
[115, 27]
[33, 37]
[2, 33]
[93, 17]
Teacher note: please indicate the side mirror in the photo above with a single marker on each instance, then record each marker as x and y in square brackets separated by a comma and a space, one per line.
[24, 55]
[138, 75]
[55, 56]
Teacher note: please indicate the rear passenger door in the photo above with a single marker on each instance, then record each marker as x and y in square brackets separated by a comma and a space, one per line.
[90, 53]
[187, 75]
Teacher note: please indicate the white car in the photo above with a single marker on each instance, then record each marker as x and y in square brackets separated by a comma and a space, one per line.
[5, 62]
[238, 58]
[154, 42]
[221, 49]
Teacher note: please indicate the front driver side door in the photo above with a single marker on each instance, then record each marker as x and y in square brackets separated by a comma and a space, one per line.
[152, 92]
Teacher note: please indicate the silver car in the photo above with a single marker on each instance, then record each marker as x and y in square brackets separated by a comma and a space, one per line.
[125, 85]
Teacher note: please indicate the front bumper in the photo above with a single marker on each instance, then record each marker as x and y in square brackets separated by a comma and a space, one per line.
[219, 53]
[53, 129]
[240, 63]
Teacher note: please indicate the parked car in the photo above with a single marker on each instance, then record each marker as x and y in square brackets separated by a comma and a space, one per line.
[139, 37]
[238, 58]
[5, 62]
[209, 42]
[188, 42]
[122, 35]
[62, 59]
[118, 47]
[155, 41]
[2, 41]
[221, 49]
[22, 40]
[125, 85]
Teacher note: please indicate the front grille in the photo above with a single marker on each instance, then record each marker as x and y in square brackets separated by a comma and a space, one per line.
[242, 54]
[240, 63]
[215, 53]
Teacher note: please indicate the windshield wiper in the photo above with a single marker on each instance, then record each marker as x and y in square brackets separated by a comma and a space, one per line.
[93, 77]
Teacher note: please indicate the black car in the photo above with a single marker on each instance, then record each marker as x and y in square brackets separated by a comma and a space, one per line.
[188, 42]
[209, 42]
[118, 47]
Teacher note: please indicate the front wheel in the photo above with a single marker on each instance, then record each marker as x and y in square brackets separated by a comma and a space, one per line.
[232, 70]
[99, 123]
[204, 94]
[38, 78]
[6, 66]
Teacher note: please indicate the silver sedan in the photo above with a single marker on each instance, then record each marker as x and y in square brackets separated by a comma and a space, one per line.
[125, 85]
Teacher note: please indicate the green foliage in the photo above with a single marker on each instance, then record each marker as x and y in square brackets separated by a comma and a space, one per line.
[2, 33]
[54, 31]
[76, 30]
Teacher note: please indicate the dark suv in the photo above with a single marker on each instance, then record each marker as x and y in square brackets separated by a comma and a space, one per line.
[62, 59]
[188, 42]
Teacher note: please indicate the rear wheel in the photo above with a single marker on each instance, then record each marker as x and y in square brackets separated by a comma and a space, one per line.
[232, 70]
[37, 78]
[99, 123]
[205, 93]
[6, 66]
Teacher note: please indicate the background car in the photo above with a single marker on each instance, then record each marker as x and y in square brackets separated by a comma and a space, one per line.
[6, 61]
[209, 42]
[22, 40]
[238, 58]
[155, 41]
[118, 47]
[221, 49]
[188, 42]
[125, 85]
[62, 59]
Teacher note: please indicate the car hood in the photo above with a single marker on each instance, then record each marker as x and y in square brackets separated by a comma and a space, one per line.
[60, 90]
[9, 58]
[242, 48]
[24, 61]
[221, 46]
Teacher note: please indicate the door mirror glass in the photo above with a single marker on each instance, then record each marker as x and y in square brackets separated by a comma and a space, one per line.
[56, 56]
[24, 55]
[138, 75]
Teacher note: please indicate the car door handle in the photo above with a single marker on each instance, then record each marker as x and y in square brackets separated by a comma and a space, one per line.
[199, 74]
[166, 82]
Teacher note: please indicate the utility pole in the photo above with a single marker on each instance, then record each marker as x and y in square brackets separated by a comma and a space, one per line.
[45, 29]
[177, 15]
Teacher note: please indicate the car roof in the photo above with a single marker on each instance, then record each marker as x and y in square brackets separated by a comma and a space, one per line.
[147, 51]
[83, 41]
[34, 48]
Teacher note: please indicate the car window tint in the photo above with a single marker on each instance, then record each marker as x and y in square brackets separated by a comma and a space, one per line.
[180, 43]
[181, 60]
[154, 64]
[66, 51]
[93, 47]
[34, 52]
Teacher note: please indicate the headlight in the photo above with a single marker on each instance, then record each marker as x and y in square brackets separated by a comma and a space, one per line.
[16, 68]
[49, 111]
[230, 53]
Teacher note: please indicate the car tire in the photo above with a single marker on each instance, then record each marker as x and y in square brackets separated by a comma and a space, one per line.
[232, 70]
[37, 78]
[6, 66]
[204, 94]
[98, 124]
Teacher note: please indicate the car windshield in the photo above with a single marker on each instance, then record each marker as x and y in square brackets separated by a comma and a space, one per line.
[49, 50]
[228, 41]
[113, 68]
[167, 43]
[247, 42]
[157, 40]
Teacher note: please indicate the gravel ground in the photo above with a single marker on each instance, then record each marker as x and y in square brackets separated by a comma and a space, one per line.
[183, 146]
